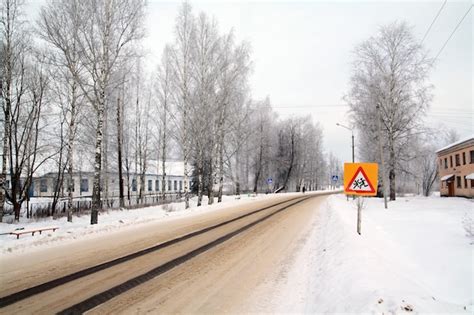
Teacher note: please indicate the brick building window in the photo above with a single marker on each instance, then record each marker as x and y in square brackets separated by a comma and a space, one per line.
[169, 185]
[445, 163]
[451, 160]
[472, 156]
[150, 185]
[175, 185]
[157, 185]
[465, 182]
[458, 160]
[464, 158]
[458, 182]
[472, 183]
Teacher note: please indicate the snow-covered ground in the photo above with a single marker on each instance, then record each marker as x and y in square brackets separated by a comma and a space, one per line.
[416, 256]
[109, 221]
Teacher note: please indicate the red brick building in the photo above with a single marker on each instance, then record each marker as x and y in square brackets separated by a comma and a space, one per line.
[456, 168]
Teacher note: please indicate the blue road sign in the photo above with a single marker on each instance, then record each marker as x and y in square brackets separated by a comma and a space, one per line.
[335, 178]
[269, 180]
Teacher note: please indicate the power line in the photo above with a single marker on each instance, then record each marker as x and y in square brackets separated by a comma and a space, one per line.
[434, 20]
[467, 12]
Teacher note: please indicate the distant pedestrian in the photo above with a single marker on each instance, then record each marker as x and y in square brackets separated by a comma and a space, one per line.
[304, 189]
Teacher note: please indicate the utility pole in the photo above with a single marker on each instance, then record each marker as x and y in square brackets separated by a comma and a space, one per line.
[381, 156]
[353, 159]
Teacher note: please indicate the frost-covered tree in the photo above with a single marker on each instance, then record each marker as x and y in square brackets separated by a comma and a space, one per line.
[389, 77]
[24, 88]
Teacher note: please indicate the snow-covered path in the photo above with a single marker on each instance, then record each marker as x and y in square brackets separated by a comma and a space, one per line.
[417, 255]
[109, 222]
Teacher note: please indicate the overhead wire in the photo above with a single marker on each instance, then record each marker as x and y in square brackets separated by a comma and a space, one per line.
[452, 33]
[434, 20]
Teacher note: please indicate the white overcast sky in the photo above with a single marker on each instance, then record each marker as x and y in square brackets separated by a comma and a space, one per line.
[302, 52]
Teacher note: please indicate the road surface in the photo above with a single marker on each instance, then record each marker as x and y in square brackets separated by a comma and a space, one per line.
[206, 263]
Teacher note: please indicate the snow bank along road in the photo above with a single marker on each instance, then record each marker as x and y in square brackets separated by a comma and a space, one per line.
[207, 263]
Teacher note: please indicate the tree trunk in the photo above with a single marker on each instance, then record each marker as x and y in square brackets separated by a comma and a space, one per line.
[200, 177]
[210, 182]
[292, 158]
[221, 170]
[186, 156]
[3, 175]
[200, 186]
[163, 157]
[237, 173]
[127, 166]
[16, 210]
[96, 202]
[259, 169]
[105, 168]
[58, 183]
[163, 178]
[119, 153]
[391, 173]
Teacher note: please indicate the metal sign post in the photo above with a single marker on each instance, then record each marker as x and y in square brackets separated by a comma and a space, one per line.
[269, 183]
[360, 179]
[334, 178]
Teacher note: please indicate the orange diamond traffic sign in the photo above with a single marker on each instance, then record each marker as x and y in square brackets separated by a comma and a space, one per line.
[360, 179]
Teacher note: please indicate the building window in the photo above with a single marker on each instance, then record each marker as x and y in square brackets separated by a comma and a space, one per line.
[175, 186]
[180, 185]
[169, 185]
[472, 183]
[464, 158]
[134, 184]
[43, 185]
[8, 184]
[451, 160]
[465, 182]
[458, 160]
[458, 182]
[472, 156]
[445, 163]
[157, 185]
[150, 185]
[84, 185]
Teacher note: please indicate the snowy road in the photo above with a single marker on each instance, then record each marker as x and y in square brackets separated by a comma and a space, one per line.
[214, 270]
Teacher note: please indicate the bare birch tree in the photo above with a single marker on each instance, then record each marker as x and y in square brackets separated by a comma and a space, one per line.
[390, 71]
[181, 56]
[24, 89]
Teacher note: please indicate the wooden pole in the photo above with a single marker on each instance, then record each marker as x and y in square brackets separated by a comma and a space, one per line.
[360, 203]
[381, 158]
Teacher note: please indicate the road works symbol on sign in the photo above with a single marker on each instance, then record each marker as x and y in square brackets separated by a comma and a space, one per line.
[360, 179]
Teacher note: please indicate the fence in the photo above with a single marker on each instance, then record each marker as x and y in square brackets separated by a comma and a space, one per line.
[40, 209]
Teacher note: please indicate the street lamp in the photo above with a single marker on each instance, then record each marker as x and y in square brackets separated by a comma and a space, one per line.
[352, 132]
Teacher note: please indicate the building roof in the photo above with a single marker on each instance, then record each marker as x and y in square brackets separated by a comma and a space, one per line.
[172, 168]
[457, 143]
[154, 167]
[446, 177]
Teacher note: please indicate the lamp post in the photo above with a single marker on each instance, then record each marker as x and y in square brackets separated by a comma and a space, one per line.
[352, 132]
